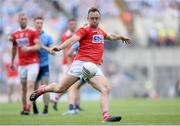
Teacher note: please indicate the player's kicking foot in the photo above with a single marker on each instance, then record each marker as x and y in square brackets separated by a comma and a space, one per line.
[112, 119]
[37, 93]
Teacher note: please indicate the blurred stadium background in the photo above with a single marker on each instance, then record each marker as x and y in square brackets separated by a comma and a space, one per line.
[150, 67]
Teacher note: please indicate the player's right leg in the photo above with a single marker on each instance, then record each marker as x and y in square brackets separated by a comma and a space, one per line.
[66, 82]
[10, 90]
[17, 88]
[23, 77]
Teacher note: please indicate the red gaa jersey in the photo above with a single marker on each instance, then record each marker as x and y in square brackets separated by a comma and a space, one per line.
[22, 38]
[91, 44]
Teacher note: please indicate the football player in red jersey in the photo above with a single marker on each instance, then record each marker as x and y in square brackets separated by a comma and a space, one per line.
[26, 42]
[91, 39]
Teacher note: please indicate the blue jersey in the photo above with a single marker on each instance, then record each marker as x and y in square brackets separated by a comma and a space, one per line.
[75, 48]
[46, 40]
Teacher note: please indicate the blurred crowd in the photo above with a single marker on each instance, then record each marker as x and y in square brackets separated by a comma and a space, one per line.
[161, 20]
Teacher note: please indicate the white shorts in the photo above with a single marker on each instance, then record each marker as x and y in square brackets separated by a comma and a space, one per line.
[65, 68]
[13, 80]
[76, 68]
[29, 72]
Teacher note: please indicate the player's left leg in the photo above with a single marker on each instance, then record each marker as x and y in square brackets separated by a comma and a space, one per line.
[101, 84]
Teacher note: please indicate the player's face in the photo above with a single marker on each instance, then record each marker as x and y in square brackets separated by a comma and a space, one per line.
[94, 18]
[72, 25]
[38, 24]
[22, 21]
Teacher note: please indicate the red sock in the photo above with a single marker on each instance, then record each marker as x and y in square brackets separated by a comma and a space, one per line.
[24, 107]
[28, 107]
[106, 115]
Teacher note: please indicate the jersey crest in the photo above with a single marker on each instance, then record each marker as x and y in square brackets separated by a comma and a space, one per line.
[98, 39]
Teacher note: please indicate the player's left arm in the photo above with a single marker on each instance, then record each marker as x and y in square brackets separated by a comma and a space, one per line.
[114, 36]
[35, 47]
[36, 40]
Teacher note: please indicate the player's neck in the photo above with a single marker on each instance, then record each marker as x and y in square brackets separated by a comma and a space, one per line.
[39, 30]
[23, 28]
[71, 31]
[94, 27]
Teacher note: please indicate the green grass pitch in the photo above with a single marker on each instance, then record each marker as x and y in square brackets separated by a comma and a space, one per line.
[133, 112]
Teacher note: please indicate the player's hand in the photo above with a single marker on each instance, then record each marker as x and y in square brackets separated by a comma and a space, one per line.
[10, 38]
[126, 40]
[51, 52]
[25, 49]
[55, 49]
[12, 67]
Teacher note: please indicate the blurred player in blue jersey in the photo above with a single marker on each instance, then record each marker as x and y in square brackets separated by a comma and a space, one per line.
[43, 76]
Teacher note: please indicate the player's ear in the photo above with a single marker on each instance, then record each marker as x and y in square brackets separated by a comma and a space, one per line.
[88, 17]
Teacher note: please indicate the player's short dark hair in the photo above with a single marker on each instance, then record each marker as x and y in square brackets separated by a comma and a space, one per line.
[21, 14]
[38, 18]
[93, 9]
[72, 19]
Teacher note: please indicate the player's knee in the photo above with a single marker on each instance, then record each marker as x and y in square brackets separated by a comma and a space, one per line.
[109, 87]
[61, 89]
[24, 88]
[105, 90]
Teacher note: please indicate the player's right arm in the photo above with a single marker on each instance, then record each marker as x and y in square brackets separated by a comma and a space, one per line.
[13, 51]
[68, 42]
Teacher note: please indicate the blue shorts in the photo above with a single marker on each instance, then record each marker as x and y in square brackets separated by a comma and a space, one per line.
[43, 73]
